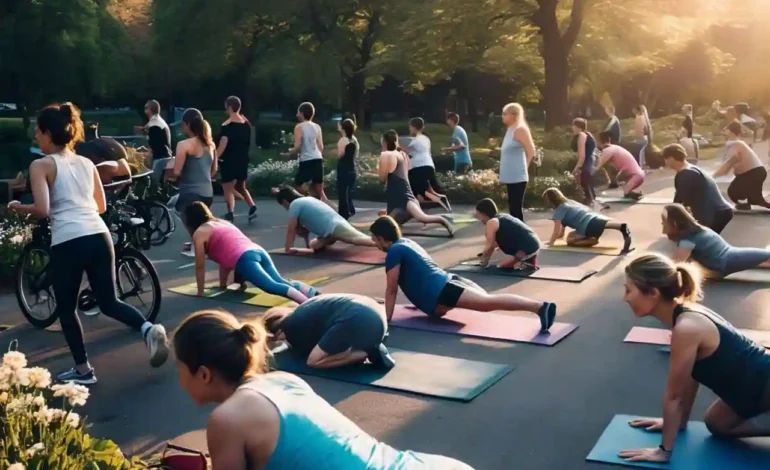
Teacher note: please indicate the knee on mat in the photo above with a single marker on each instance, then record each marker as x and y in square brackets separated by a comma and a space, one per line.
[715, 428]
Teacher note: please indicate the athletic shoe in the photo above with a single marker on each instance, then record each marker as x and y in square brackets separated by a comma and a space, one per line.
[381, 358]
[157, 344]
[252, 213]
[73, 376]
[626, 238]
[444, 202]
[449, 227]
[743, 206]
[230, 217]
[633, 196]
[547, 313]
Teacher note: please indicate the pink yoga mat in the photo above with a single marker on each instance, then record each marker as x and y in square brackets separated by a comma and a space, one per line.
[662, 337]
[347, 253]
[488, 325]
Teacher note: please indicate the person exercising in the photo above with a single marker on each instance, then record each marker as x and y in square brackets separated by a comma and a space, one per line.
[686, 132]
[309, 147]
[749, 172]
[422, 170]
[628, 169]
[314, 216]
[697, 191]
[588, 226]
[158, 139]
[705, 350]
[706, 247]
[434, 291]
[105, 149]
[513, 237]
[333, 330]
[460, 145]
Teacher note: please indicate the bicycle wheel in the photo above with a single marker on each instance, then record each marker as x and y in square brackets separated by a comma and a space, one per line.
[161, 223]
[137, 282]
[34, 290]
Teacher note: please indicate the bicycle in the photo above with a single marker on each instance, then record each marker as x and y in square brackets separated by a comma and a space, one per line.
[133, 271]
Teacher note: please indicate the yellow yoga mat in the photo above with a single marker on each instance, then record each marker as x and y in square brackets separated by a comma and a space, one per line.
[600, 249]
[251, 296]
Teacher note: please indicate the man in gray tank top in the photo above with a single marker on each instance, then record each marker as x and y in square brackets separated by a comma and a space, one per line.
[309, 146]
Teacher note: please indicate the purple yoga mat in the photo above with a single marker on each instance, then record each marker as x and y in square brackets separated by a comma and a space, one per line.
[488, 325]
[351, 254]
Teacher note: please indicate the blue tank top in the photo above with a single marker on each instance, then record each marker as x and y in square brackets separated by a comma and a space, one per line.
[513, 160]
[738, 371]
[315, 436]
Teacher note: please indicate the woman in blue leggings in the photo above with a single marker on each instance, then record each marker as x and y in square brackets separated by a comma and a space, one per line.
[707, 247]
[234, 251]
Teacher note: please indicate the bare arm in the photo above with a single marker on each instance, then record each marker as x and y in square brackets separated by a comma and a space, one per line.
[524, 136]
[297, 143]
[391, 291]
[99, 197]
[384, 166]
[558, 232]
[222, 145]
[490, 231]
[225, 442]
[319, 359]
[181, 157]
[581, 145]
[682, 254]
[199, 246]
[124, 169]
[341, 144]
[214, 161]
[320, 139]
[39, 184]
[603, 160]
[732, 157]
[291, 235]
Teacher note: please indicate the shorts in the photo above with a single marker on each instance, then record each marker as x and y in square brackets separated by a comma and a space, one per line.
[345, 232]
[184, 200]
[421, 179]
[363, 332]
[454, 289]
[596, 227]
[310, 170]
[234, 170]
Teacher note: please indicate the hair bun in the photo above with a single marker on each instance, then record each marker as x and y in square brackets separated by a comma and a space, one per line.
[67, 111]
[250, 333]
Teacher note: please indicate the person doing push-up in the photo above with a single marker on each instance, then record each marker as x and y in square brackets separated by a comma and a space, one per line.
[433, 290]
[588, 226]
[513, 237]
[705, 350]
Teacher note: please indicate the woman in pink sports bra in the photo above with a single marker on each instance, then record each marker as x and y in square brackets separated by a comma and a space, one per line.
[234, 251]
[628, 169]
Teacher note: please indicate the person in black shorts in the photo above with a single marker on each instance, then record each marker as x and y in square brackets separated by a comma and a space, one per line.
[513, 237]
[333, 330]
[233, 153]
[158, 139]
[697, 191]
[422, 171]
[308, 146]
[105, 149]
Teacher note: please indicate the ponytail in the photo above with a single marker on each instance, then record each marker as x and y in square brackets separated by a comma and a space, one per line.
[674, 281]
[198, 126]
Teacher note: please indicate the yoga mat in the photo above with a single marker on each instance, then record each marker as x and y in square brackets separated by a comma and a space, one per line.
[251, 296]
[750, 275]
[695, 448]
[755, 210]
[646, 200]
[546, 273]
[659, 336]
[489, 325]
[344, 252]
[424, 374]
[456, 221]
[430, 231]
[600, 249]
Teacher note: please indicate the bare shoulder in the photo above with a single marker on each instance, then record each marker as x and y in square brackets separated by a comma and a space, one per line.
[691, 325]
[244, 409]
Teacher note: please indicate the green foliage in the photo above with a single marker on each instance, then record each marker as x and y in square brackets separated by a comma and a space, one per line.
[14, 234]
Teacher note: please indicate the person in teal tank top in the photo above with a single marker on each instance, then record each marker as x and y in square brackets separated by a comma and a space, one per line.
[272, 420]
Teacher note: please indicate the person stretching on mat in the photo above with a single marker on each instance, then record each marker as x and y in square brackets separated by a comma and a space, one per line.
[402, 205]
[272, 420]
[585, 145]
[707, 248]
[318, 218]
[697, 191]
[628, 170]
[587, 226]
[434, 291]
[422, 170]
[333, 330]
[750, 175]
[515, 239]
[226, 245]
[705, 350]
[685, 134]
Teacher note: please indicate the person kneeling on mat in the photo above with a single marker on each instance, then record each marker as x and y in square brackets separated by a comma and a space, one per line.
[587, 226]
[333, 330]
[226, 245]
[750, 174]
[628, 169]
[319, 218]
[433, 290]
[272, 420]
[706, 247]
[705, 350]
[515, 239]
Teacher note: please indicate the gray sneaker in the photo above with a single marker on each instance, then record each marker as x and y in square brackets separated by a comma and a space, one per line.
[157, 344]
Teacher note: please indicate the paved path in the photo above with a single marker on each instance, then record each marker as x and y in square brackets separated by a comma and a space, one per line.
[547, 414]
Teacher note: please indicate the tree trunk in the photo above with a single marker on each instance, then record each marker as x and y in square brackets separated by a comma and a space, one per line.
[24, 111]
[473, 114]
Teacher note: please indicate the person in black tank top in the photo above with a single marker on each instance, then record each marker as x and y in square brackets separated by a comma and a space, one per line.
[513, 237]
[233, 144]
[705, 350]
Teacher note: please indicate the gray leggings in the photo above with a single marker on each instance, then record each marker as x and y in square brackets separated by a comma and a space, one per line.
[741, 259]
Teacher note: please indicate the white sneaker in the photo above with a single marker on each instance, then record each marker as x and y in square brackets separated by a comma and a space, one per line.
[157, 344]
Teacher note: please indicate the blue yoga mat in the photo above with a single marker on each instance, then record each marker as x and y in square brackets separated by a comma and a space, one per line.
[695, 448]
[424, 374]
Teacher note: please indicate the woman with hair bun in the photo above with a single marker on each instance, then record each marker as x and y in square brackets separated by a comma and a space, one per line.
[272, 420]
[705, 350]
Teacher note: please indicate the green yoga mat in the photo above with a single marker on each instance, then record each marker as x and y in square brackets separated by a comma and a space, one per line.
[424, 374]
[251, 296]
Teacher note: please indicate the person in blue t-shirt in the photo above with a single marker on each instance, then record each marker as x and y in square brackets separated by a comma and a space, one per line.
[434, 291]
[460, 145]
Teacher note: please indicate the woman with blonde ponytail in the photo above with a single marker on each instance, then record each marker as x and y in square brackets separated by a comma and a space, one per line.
[705, 350]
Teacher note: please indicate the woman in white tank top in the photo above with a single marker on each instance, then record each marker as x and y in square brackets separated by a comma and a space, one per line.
[309, 147]
[67, 189]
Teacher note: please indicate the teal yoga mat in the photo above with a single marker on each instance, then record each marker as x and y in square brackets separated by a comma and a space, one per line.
[423, 374]
[695, 448]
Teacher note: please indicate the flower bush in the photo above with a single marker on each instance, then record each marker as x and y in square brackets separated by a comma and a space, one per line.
[14, 234]
[37, 435]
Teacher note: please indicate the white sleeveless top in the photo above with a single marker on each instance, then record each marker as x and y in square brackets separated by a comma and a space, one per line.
[73, 210]
[309, 147]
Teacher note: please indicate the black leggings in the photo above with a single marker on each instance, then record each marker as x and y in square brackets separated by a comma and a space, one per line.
[516, 199]
[95, 255]
[345, 183]
[748, 187]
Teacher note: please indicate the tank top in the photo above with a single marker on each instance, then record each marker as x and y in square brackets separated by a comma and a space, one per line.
[398, 191]
[347, 163]
[514, 235]
[227, 244]
[588, 163]
[315, 436]
[309, 147]
[196, 176]
[738, 371]
[513, 160]
[73, 210]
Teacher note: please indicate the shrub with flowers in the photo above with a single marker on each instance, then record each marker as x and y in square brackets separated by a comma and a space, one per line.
[37, 435]
[14, 234]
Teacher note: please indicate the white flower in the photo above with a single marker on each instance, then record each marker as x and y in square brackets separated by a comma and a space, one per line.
[16, 406]
[39, 401]
[3, 397]
[44, 415]
[17, 239]
[35, 449]
[76, 394]
[57, 414]
[17, 466]
[39, 377]
[14, 360]
[73, 419]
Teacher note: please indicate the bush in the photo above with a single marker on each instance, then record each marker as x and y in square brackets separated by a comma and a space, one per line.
[14, 234]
